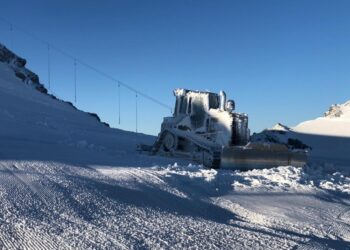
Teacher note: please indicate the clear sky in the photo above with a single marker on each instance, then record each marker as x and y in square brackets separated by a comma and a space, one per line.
[281, 61]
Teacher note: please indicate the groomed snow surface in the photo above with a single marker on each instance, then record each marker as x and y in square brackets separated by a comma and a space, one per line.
[52, 205]
[69, 182]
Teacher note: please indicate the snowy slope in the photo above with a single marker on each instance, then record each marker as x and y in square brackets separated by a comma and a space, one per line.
[29, 118]
[336, 122]
[328, 137]
[69, 182]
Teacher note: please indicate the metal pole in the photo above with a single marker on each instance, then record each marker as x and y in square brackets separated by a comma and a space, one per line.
[118, 102]
[75, 81]
[136, 113]
[49, 66]
[11, 36]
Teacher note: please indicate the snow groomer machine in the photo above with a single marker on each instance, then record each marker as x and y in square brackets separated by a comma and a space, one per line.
[206, 128]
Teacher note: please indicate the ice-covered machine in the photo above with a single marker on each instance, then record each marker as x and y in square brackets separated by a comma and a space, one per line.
[205, 128]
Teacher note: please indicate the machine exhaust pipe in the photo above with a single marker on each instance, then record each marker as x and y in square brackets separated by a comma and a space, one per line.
[222, 95]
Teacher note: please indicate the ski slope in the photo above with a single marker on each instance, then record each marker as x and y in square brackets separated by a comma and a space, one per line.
[69, 182]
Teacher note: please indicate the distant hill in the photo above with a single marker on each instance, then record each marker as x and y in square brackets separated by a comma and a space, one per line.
[336, 122]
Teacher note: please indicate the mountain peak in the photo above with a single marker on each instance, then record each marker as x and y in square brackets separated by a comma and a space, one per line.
[280, 127]
[338, 111]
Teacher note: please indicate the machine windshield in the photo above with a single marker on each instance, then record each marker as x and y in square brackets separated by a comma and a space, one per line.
[213, 101]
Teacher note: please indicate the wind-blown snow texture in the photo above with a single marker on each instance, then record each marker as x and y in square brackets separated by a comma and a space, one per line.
[69, 182]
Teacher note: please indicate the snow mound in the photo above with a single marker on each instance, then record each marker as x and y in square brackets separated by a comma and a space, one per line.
[336, 182]
[290, 178]
[275, 179]
[193, 171]
[280, 179]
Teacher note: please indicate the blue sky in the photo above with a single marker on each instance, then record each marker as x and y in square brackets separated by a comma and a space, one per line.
[281, 61]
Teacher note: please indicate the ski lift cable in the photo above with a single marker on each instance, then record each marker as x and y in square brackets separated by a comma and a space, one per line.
[87, 65]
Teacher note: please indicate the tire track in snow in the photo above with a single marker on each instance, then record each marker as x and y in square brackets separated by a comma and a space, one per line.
[117, 225]
[344, 216]
[65, 171]
[138, 176]
[43, 193]
[15, 233]
[151, 177]
[336, 227]
[23, 174]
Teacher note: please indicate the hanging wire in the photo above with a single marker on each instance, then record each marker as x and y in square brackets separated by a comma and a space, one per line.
[136, 111]
[75, 81]
[118, 102]
[52, 47]
[48, 66]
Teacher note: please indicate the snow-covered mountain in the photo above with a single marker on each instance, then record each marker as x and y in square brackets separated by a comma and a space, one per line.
[329, 137]
[67, 181]
[326, 138]
[336, 122]
[18, 65]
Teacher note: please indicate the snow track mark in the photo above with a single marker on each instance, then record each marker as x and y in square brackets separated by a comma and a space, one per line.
[16, 231]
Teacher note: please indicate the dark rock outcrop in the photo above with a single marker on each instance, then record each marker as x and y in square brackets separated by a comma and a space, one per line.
[18, 65]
